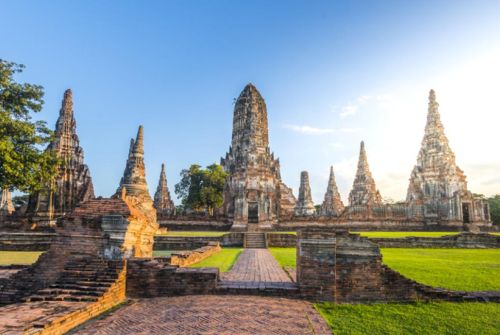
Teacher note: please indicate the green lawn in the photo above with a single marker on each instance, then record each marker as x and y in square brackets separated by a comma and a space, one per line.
[418, 318]
[19, 257]
[193, 233]
[402, 234]
[457, 269]
[286, 257]
[223, 260]
[162, 253]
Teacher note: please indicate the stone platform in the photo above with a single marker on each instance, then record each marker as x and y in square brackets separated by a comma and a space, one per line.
[195, 315]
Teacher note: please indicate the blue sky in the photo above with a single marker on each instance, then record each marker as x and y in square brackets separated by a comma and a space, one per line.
[332, 73]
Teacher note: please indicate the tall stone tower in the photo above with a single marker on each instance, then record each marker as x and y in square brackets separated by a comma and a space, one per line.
[134, 176]
[162, 200]
[254, 192]
[364, 191]
[6, 205]
[73, 183]
[305, 205]
[332, 204]
[437, 185]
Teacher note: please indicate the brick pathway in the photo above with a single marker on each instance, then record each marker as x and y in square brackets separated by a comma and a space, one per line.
[256, 265]
[197, 315]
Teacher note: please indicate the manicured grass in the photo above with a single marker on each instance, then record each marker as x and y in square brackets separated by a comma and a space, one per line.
[19, 257]
[286, 257]
[418, 318]
[457, 269]
[193, 233]
[224, 260]
[162, 253]
[402, 234]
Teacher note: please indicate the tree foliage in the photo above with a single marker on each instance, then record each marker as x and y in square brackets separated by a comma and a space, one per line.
[494, 203]
[24, 164]
[201, 189]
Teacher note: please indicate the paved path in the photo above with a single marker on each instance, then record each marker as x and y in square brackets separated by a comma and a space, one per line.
[256, 265]
[203, 315]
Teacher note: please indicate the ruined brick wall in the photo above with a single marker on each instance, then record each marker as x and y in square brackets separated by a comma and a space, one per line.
[186, 258]
[147, 278]
[343, 267]
[463, 240]
[194, 242]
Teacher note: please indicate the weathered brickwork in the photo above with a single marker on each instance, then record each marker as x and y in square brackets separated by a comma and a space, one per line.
[463, 240]
[186, 258]
[162, 201]
[438, 187]
[156, 277]
[73, 183]
[305, 205]
[254, 192]
[332, 205]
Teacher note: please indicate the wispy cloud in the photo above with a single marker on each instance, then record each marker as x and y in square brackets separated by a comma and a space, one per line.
[308, 130]
[304, 129]
[352, 108]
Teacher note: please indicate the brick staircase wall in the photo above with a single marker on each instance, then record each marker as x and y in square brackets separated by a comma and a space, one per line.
[186, 258]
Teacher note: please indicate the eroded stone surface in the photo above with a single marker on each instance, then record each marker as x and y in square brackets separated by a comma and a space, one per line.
[73, 184]
[254, 191]
[6, 205]
[364, 191]
[305, 205]
[332, 204]
[437, 183]
[195, 315]
[162, 200]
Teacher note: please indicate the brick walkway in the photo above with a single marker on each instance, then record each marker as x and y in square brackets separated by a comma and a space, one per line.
[256, 265]
[242, 315]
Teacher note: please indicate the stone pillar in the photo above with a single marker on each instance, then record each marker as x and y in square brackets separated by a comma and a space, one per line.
[316, 264]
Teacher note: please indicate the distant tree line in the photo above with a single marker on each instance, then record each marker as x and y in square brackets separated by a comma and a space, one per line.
[494, 203]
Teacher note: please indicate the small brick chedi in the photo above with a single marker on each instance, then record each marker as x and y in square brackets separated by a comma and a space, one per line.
[73, 183]
[254, 192]
[162, 200]
[438, 187]
[305, 205]
[364, 191]
[332, 205]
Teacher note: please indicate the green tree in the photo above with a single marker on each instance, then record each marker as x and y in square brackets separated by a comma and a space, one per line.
[24, 164]
[201, 189]
[494, 203]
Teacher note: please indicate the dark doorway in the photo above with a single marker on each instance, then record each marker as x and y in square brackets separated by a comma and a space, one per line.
[253, 212]
[466, 212]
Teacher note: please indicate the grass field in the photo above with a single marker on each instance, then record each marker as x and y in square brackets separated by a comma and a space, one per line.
[223, 260]
[162, 253]
[286, 257]
[418, 318]
[457, 269]
[193, 233]
[19, 257]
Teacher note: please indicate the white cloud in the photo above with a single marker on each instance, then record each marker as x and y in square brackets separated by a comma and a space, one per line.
[348, 110]
[304, 129]
[308, 130]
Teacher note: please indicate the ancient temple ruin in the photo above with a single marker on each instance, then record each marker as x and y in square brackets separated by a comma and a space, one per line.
[364, 191]
[332, 205]
[305, 205]
[438, 187]
[162, 200]
[73, 183]
[254, 192]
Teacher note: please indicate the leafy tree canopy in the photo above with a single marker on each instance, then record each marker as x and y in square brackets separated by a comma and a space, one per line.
[201, 189]
[24, 164]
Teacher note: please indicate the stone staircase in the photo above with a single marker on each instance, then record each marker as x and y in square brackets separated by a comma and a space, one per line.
[255, 240]
[83, 279]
